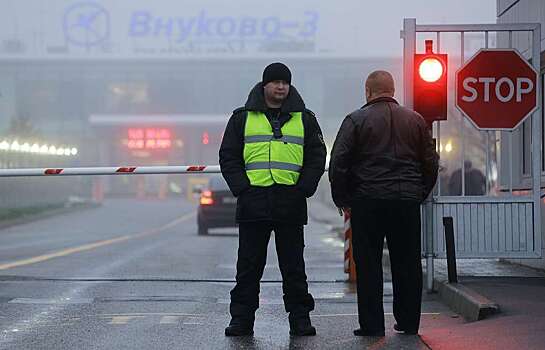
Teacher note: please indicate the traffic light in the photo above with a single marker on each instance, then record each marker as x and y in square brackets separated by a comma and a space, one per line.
[430, 84]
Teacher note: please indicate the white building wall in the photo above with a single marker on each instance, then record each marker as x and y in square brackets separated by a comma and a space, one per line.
[526, 11]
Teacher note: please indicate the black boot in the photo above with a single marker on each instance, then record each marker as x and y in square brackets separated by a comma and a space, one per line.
[400, 329]
[360, 332]
[239, 327]
[300, 325]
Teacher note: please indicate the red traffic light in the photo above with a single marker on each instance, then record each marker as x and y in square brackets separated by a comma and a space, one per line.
[431, 70]
[430, 85]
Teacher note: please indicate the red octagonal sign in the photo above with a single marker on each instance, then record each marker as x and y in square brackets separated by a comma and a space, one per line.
[496, 89]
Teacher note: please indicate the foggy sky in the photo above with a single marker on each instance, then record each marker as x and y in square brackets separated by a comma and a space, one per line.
[385, 18]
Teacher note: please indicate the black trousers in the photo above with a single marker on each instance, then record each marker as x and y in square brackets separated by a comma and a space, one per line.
[399, 222]
[252, 256]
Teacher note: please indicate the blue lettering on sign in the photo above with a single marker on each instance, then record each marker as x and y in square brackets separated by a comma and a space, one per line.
[163, 27]
[270, 27]
[202, 27]
[140, 24]
[248, 27]
[226, 26]
[310, 26]
[185, 26]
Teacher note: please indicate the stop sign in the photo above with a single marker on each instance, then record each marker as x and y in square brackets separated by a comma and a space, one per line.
[496, 89]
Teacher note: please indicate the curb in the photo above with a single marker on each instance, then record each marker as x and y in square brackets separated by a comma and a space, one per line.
[465, 301]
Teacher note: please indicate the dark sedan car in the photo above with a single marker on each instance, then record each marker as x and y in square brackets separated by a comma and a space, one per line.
[217, 206]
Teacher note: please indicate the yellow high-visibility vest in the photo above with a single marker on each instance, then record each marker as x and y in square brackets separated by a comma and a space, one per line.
[269, 160]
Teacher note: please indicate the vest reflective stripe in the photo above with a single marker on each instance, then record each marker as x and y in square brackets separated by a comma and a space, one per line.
[269, 160]
[266, 138]
[273, 165]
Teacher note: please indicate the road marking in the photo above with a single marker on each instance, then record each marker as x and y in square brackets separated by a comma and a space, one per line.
[385, 314]
[51, 301]
[95, 245]
[170, 319]
[116, 320]
[152, 314]
[276, 266]
[123, 319]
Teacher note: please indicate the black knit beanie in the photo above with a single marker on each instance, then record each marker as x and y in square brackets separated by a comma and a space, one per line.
[276, 71]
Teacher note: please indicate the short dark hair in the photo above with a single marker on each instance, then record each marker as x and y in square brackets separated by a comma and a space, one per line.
[380, 82]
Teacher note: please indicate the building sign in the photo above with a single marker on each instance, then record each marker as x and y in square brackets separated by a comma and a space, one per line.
[148, 138]
[172, 28]
[86, 24]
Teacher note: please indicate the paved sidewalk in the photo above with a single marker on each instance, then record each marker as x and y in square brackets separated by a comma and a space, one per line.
[519, 325]
[519, 291]
[487, 268]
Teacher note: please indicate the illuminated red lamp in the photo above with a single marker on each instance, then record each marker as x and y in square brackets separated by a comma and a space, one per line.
[431, 69]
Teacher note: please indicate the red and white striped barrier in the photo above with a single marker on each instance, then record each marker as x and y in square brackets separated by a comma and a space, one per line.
[349, 265]
[185, 169]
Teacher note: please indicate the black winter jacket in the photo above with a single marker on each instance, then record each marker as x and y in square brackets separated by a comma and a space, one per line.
[382, 151]
[278, 202]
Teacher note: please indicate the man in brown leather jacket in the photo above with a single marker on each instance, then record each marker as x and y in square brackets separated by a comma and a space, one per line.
[383, 165]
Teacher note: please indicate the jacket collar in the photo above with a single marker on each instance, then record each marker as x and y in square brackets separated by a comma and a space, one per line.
[256, 100]
[381, 99]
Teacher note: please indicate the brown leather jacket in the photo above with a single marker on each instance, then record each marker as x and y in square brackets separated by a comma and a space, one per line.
[382, 151]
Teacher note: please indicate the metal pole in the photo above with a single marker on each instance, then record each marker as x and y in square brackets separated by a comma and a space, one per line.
[510, 137]
[439, 151]
[537, 139]
[439, 127]
[448, 225]
[462, 122]
[487, 166]
[409, 49]
[430, 268]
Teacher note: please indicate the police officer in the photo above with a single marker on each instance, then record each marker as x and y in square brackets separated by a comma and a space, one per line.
[383, 165]
[272, 156]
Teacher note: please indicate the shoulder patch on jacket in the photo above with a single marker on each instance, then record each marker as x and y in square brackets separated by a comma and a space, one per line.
[240, 109]
[310, 112]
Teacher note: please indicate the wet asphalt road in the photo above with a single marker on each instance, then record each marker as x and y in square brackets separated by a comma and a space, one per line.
[134, 274]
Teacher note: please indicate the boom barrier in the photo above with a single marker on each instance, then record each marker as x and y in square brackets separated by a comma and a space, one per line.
[143, 170]
[129, 170]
